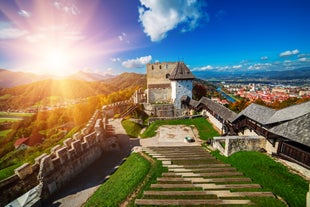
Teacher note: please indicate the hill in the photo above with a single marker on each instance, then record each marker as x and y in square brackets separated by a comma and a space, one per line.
[52, 91]
[11, 79]
[80, 75]
[299, 73]
[126, 80]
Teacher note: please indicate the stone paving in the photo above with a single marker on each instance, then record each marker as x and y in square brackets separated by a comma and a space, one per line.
[196, 178]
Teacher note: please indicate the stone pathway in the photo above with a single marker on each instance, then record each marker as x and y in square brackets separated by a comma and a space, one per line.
[196, 178]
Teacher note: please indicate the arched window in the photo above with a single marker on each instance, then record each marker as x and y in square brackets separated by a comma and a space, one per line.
[167, 75]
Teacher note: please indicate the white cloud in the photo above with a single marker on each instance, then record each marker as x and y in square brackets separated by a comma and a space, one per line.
[203, 68]
[303, 59]
[138, 62]
[289, 53]
[67, 6]
[115, 59]
[7, 31]
[237, 66]
[161, 16]
[264, 58]
[24, 13]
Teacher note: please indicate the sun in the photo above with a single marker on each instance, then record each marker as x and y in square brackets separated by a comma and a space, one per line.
[56, 62]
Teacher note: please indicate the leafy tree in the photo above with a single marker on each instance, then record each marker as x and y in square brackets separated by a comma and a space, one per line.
[199, 90]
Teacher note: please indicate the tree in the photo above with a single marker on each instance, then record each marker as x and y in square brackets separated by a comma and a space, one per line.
[199, 90]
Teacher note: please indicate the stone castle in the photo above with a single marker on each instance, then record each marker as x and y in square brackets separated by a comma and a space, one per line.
[167, 82]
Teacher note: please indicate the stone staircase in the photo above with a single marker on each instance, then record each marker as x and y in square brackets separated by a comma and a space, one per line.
[129, 110]
[196, 178]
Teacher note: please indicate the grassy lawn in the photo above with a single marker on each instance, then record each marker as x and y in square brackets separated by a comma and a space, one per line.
[122, 183]
[3, 133]
[205, 128]
[132, 129]
[272, 176]
[9, 119]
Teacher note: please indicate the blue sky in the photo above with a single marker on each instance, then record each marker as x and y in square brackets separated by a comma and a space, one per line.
[63, 36]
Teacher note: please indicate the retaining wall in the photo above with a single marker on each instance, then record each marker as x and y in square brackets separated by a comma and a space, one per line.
[235, 144]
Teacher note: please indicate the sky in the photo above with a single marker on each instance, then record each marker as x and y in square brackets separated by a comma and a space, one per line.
[61, 37]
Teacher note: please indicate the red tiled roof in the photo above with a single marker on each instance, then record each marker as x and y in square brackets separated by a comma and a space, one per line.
[20, 141]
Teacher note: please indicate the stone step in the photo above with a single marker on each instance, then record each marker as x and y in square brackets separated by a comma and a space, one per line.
[225, 186]
[204, 186]
[203, 180]
[218, 193]
[213, 174]
[188, 156]
[197, 166]
[214, 169]
[184, 202]
[176, 185]
[192, 158]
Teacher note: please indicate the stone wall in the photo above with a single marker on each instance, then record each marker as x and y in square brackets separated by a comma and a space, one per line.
[213, 119]
[58, 167]
[235, 144]
[156, 73]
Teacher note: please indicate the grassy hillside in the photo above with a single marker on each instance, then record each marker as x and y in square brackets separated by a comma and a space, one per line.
[52, 91]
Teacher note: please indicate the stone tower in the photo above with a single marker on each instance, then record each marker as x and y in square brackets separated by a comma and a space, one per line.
[181, 80]
[167, 82]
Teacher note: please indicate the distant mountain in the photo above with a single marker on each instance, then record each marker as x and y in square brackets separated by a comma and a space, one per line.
[46, 91]
[300, 73]
[80, 75]
[126, 80]
[10, 79]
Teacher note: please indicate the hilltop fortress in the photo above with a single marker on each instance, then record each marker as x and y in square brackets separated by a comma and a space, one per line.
[167, 82]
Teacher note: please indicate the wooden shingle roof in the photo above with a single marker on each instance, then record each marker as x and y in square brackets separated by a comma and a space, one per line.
[297, 129]
[258, 113]
[290, 113]
[181, 72]
[217, 108]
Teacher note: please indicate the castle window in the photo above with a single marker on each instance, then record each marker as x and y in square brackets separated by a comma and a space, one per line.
[167, 75]
[152, 67]
[159, 66]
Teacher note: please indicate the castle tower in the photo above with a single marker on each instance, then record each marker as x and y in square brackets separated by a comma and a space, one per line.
[181, 80]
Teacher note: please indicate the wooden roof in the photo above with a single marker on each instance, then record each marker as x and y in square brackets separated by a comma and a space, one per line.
[297, 130]
[258, 113]
[292, 122]
[217, 108]
[181, 72]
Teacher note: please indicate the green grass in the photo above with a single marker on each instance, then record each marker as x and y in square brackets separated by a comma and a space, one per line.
[9, 171]
[122, 183]
[272, 176]
[156, 170]
[3, 133]
[132, 129]
[17, 114]
[9, 119]
[205, 128]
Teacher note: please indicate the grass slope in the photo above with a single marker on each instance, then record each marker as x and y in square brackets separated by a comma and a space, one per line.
[122, 183]
[205, 128]
[132, 129]
[272, 176]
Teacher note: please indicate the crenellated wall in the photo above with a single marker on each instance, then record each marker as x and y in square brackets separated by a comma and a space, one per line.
[65, 161]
